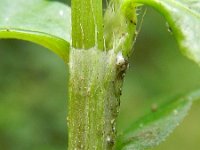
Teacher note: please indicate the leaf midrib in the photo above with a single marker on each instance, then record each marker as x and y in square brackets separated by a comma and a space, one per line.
[10, 29]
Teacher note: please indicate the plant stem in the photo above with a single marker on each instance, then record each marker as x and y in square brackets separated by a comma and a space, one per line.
[87, 24]
[95, 87]
[92, 73]
[96, 76]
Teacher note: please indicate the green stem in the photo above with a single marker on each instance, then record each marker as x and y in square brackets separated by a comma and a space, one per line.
[96, 76]
[95, 87]
[87, 24]
[91, 76]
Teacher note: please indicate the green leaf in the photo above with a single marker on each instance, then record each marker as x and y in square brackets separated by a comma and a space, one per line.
[44, 22]
[183, 17]
[153, 128]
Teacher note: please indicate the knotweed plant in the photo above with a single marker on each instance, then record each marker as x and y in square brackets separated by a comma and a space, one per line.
[96, 45]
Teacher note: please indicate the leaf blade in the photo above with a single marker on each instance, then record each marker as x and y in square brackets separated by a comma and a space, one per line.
[184, 20]
[153, 128]
[39, 21]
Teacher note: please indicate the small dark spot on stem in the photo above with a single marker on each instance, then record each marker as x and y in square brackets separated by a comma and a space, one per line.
[120, 93]
[170, 29]
[133, 22]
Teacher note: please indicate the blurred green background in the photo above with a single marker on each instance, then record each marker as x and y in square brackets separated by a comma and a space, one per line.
[33, 90]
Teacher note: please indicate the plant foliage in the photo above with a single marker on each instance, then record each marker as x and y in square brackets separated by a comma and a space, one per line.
[48, 23]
